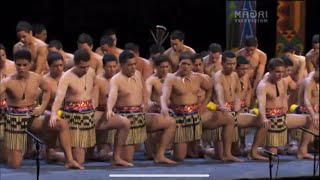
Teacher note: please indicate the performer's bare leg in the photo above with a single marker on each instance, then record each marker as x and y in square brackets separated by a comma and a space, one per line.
[42, 123]
[122, 124]
[225, 120]
[299, 120]
[168, 125]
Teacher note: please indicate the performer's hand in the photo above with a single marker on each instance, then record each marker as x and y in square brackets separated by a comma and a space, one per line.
[165, 112]
[37, 111]
[53, 120]
[109, 114]
[223, 108]
[265, 123]
[315, 121]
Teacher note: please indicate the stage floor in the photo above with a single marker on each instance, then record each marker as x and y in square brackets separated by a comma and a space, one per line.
[289, 166]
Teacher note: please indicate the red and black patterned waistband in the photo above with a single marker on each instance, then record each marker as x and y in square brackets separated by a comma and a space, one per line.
[128, 109]
[78, 107]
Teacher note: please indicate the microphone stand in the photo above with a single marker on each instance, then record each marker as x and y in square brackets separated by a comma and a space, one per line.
[315, 152]
[39, 144]
[270, 165]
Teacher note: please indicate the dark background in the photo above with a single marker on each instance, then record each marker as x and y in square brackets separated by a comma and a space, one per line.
[203, 21]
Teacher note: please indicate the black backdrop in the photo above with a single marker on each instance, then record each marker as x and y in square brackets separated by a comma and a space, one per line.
[203, 21]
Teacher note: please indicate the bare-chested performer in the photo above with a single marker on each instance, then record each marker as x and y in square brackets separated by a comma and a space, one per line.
[56, 66]
[228, 97]
[22, 113]
[308, 103]
[180, 94]
[113, 130]
[196, 148]
[154, 51]
[74, 94]
[312, 55]
[155, 121]
[299, 71]
[108, 45]
[37, 47]
[143, 65]
[245, 93]
[40, 32]
[7, 68]
[177, 46]
[85, 41]
[127, 100]
[212, 61]
[56, 46]
[257, 59]
[273, 106]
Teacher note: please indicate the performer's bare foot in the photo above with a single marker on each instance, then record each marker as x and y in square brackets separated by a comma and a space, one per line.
[120, 162]
[304, 156]
[256, 156]
[73, 165]
[231, 159]
[163, 160]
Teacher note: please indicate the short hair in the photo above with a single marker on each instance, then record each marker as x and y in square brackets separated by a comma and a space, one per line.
[125, 56]
[315, 39]
[288, 47]
[186, 55]
[85, 39]
[242, 60]
[81, 55]
[177, 34]
[227, 54]
[109, 32]
[251, 41]
[23, 26]
[160, 59]
[275, 62]
[54, 56]
[2, 47]
[197, 56]
[287, 61]
[109, 58]
[55, 43]
[38, 28]
[106, 40]
[156, 48]
[214, 48]
[22, 54]
[132, 47]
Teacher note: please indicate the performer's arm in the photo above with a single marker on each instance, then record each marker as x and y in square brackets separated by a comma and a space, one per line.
[207, 86]
[95, 92]
[260, 70]
[3, 87]
[307, 97]
[41, 59]
[249, 93]
[261, 96]
[46, 93]
[113, 95]
[219, 91]
[309, 64]
[237, 101]
[166, 93]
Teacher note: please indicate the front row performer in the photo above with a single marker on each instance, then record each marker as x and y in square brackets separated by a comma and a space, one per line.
[23, 114]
